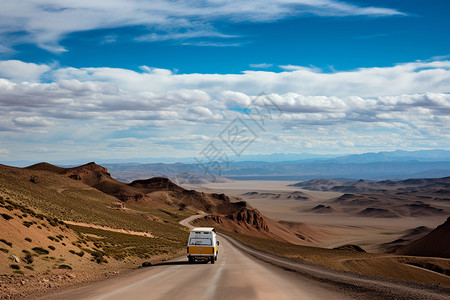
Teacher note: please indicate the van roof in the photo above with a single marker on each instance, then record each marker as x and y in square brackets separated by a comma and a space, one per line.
[204, 229]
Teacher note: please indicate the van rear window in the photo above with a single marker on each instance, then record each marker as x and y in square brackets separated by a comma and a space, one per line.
[200, 241]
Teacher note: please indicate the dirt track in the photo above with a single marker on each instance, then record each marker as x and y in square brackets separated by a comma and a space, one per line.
[130, 232]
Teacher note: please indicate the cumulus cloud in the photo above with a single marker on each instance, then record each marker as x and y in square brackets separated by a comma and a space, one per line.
[373, 94]
[407, 78]
[400, 105]
[17, 70]
[37, 18]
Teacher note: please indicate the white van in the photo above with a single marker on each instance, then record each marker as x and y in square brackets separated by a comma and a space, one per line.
[202, 244]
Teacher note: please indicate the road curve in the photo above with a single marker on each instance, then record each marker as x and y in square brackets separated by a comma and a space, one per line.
[244, 273]
[187, 222]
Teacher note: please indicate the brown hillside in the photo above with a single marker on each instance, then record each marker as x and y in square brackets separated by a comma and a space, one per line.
[245, 221]
[156, 184]
[231, 213]
[95, 176]
[407, 237]
[90, 174]
[436, 243]
[155, 190]
[98, 177]
[46, 167]
[250, 222]
[23, 230]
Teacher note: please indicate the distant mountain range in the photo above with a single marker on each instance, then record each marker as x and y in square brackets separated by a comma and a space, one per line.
[279, 166]
[373, 166]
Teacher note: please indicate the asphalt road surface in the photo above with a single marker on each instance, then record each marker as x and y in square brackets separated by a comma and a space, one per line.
[235, 275]
[244, 273]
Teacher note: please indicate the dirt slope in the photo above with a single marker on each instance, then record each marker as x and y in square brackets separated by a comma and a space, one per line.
[231, 213]
[436, 243]
[250, 222]
[157, 190]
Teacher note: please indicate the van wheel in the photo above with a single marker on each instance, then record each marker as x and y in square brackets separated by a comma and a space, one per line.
[213, 260]
[191, 260]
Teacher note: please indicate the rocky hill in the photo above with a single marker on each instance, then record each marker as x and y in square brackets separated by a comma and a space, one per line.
[436, 243]
[384, 199]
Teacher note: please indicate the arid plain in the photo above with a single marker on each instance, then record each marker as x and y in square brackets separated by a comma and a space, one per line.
[330, 228]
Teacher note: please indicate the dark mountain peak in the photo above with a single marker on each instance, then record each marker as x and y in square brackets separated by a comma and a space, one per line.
[91, 173]
[156, 183]
[44, 166]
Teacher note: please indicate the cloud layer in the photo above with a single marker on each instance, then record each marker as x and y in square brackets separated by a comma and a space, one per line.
[24, 21]
[105, 110]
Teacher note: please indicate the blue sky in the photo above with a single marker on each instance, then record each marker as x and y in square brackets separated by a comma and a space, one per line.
[410, 30]
[126, 79]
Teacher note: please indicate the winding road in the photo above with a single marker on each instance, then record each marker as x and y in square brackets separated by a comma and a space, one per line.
[243, 273]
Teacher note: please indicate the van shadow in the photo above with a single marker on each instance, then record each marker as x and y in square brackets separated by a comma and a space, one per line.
[173, 263]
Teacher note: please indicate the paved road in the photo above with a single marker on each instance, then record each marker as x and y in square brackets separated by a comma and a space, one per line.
[187, 222]
[243, 273]
[235, 275]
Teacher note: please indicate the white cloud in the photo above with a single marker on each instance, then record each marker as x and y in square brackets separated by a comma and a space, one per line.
[235, 99]
[261, 66]
[211, 44]
[311, 68]
[404, 106]
[152, 37]
[368, 95]
[31, 121]
[38, 17]
[17, 70]
[4, 151]
[407, 78]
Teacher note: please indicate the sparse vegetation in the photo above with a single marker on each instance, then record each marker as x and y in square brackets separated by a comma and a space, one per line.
[67, 267]
[14, 267]
[87, 205]
[52, 238]
[97, 256]
[80, 254]
[6, 217]
[6, 242]
[27, 223]
[80, 203]
[40, 250]
[120, 245]
[4, 250]
[28, 257]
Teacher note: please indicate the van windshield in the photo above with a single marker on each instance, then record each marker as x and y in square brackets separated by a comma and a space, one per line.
[200, 241]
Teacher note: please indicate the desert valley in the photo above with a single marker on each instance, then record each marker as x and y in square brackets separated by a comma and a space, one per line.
[69, 226]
